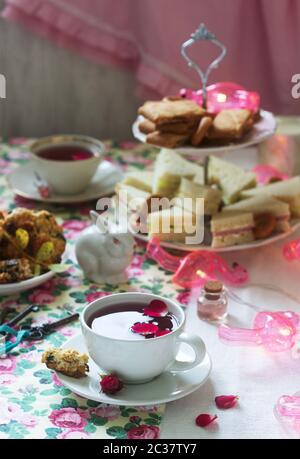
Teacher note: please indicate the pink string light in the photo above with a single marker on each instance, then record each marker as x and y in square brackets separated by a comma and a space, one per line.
[291, 250]
[276, 331]
[287, 412]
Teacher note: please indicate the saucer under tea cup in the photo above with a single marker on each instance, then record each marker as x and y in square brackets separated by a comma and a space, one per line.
[67, 162]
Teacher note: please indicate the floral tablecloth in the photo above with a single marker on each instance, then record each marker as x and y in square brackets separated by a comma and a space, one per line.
[33, 402]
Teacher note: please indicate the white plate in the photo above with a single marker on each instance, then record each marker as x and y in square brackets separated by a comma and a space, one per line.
[261, 131]
[167, 387]
[18, 287]
[295, 224]
[21, 180]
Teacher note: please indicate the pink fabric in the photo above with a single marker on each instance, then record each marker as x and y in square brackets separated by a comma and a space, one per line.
[144, 36]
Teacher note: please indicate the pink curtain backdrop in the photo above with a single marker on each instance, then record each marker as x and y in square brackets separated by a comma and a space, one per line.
[144, 36]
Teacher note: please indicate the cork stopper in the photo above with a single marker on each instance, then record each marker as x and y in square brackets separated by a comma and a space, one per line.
[213, 287]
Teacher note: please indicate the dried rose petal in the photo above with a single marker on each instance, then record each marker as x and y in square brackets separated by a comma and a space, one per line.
[226, 401]
[110, 384]
[162, 333]
[164, 323]
[144, 328]
[156, 308]
[204, 420]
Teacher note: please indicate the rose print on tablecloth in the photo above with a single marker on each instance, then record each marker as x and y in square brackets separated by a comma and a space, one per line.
[5, 167]
[7, 379]
[109, 412]
[74, 227]
[69, 418]
[95, 296]
[36, 404]
[41, 296]
[135, 268]
[7, 364]
[143, 432]
[12, 412]
[56, 380]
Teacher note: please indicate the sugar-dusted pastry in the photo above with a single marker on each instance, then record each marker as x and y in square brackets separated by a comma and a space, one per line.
[231, 124]
[66, 361]
[166, 139]
[162, 112]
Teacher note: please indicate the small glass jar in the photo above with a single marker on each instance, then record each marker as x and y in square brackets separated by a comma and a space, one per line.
[212, 302]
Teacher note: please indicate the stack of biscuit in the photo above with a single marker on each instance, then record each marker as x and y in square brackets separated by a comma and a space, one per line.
[175, 121]
[170, 123]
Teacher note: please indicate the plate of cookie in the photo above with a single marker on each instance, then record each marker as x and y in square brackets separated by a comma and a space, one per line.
[183, 125]
[32, 246]
[218, 202]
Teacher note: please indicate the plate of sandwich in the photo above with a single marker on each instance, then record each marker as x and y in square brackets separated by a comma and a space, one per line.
[234, 212]
[32, 246]
[183, 125]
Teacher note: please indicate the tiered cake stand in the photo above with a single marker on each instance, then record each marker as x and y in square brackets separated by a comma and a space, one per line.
[261, 131]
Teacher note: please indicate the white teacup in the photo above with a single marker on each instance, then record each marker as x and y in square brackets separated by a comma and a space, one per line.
[138, 361]
[67, 177]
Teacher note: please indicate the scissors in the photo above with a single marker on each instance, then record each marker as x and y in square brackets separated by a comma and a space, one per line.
[16, 319]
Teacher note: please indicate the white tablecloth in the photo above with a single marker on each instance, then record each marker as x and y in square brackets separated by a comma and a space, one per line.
[258, 377]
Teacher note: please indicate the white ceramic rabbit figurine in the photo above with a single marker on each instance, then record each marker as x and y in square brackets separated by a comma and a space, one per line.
[104, 252]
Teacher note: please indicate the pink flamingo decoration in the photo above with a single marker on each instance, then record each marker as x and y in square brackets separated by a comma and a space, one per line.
[197, 267]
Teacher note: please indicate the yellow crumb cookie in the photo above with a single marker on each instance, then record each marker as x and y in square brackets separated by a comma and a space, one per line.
[66, 361]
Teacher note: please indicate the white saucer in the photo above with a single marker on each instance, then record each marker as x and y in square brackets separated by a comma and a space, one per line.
[167, 387]
[295, 225]
[21, 180]
[17, 287]
[261, 131]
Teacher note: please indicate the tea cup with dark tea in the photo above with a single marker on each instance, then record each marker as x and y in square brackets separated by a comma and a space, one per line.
[137, 336]
[67, 162]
